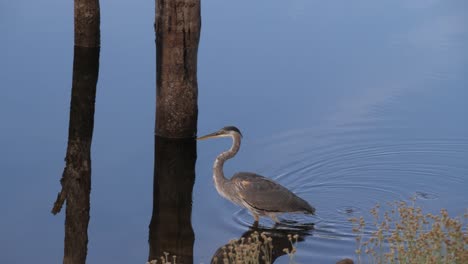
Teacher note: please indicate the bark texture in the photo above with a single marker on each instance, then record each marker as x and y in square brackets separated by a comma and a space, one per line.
[76, 177]
[87, 22]
[177, 28]
[170, 229]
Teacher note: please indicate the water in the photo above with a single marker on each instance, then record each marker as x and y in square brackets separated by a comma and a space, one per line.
[347, 104]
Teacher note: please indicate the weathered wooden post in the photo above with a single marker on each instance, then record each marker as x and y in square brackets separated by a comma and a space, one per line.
[177, 27]
[76, 177]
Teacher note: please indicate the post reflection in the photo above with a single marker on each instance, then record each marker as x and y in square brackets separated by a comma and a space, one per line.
[281, 236]
[170, 229]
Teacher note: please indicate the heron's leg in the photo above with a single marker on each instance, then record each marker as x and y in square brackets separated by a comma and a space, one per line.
[256, 217]
[273, 216]
[255, 225]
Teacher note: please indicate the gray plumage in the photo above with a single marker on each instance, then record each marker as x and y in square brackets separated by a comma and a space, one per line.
[260, 195]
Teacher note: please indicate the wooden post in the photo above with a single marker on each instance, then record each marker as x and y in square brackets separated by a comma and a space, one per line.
[76, 177]
[177, 28]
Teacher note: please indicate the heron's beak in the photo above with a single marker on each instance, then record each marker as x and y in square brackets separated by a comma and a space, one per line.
[212, 135]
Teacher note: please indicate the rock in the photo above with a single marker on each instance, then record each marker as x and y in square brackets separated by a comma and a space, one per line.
[345, 261]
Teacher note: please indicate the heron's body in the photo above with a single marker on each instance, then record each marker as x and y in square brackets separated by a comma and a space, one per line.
[260, 195]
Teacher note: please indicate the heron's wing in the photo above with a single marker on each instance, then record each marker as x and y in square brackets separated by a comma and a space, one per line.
[266, 195]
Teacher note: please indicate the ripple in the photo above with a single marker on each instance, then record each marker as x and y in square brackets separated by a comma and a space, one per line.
[412, 158]
[349, 210]
[243, 220]
[426, 196]
[345, 174]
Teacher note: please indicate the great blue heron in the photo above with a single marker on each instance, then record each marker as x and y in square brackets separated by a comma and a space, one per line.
[260, 195]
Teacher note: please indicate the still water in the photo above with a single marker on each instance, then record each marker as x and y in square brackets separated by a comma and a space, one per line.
[347, 103]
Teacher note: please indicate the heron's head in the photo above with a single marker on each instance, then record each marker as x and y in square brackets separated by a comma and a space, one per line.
[229, 131]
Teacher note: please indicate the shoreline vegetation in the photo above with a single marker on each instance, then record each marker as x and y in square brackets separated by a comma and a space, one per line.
[404, 234]
[401, 235]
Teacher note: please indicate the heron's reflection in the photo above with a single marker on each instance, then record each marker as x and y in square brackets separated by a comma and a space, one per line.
[282, 237]
[170, 229]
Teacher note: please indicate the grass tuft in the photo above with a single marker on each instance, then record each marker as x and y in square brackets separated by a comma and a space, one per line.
[256, 248]
[406, 235]
[164, 259]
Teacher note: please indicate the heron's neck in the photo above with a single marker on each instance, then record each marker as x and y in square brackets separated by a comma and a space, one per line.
[218, 174]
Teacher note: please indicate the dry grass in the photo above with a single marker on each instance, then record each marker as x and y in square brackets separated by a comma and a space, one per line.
[291, 253]
[406, 235]
[257, 248]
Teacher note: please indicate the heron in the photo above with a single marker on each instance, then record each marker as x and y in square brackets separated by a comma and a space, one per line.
[258, 194]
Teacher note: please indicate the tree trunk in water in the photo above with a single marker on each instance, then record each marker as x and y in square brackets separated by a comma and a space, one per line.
[76, 177]
[177, 28]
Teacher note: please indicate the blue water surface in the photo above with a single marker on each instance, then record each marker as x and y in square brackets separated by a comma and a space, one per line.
[347, 103]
